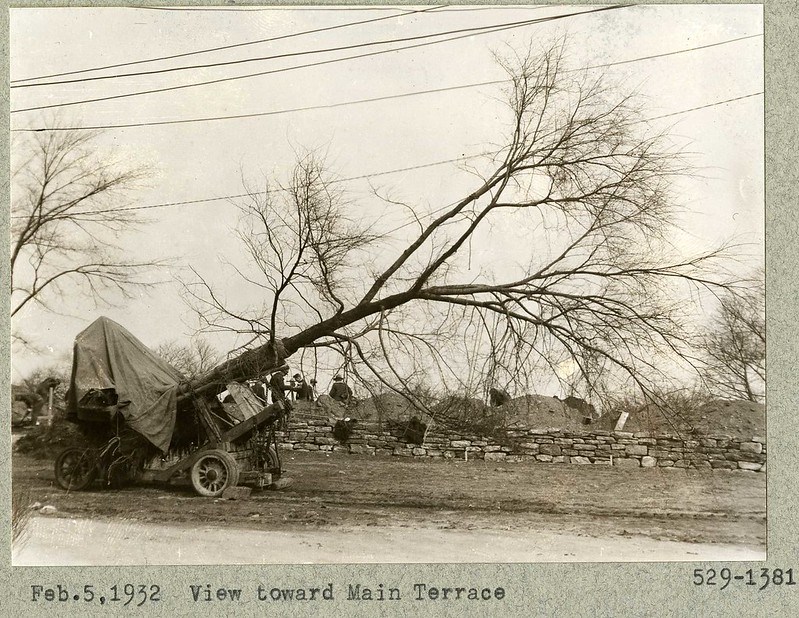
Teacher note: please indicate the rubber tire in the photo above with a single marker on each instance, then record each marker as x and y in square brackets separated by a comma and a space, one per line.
[273, 462]
[222, 465]
[84, 457]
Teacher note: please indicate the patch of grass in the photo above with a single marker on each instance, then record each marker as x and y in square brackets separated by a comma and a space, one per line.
[20, 514]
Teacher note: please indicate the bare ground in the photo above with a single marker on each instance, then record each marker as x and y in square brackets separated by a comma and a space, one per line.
[360, 491]
[62, 542]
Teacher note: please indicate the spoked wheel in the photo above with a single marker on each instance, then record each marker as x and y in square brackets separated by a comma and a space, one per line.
[214, 472]
[75, 468]
[273, 462]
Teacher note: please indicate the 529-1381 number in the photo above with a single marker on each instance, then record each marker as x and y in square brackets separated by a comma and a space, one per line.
[725, 576]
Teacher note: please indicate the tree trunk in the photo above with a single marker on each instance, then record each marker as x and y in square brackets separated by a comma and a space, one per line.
[250, 364]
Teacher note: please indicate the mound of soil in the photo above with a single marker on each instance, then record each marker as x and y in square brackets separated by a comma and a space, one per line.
[324, 407]
[470, 414]
[383, 408]
[466, 414]
[386, 407]
[542, 412]
[739, 419]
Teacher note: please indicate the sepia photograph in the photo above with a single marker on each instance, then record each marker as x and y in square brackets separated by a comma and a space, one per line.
[372, 284]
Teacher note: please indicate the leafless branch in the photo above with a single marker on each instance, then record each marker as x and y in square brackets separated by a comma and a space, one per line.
[65, 226]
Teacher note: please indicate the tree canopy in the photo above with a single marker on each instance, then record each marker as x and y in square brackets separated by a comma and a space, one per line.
[66, 222]
[579, 185]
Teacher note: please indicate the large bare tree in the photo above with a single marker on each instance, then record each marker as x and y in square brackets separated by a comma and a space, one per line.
[66, 222]
[597, 275]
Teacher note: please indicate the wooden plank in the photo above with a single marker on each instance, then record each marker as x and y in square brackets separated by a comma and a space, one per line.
[207, 420]
[236, 431]
[233, 412]
[248, 404]
[204, 423]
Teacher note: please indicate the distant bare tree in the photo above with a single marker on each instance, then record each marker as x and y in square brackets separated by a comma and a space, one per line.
[65, 221]
[735, 346]
[599, 277]
[191, 360]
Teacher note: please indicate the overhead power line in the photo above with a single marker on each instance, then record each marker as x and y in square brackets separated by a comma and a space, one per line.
[225, 47]
[308, 52]
[472, 32]
[403, 13]
[270, 113]
[238, 195]
[375, 174]
[299, 53]
[685, 111]
[373, 99]
[693, 109]
[679, 51]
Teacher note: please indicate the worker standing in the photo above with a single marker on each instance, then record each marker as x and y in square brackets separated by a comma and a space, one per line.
[302, 388]
[340, 391]
[277, 386]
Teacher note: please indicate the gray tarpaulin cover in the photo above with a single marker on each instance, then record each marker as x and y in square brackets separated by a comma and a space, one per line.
[108, 356]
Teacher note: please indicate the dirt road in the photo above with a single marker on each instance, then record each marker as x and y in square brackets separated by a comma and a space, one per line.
[63, 542]
[353, 508]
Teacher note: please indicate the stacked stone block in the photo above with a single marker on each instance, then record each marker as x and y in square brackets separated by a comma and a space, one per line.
[617, 448]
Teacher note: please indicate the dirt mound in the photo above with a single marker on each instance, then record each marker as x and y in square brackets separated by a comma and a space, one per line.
[470, 414]
[466, 414]
[743, 419]
[542, 412]
[739, 419]
[307, 410]
[386, 407]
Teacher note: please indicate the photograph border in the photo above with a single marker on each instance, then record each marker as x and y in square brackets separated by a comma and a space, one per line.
[529, 589]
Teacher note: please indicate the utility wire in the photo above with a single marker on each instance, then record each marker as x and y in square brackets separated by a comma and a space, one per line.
[303, 53]
[404, 13]
[376, 174]
[472, 33]
[693, 109]
[451, 204]
[231, 197]
[369, 100]
[679, 51]
[224, 47]
[272, 57]
[271, 113]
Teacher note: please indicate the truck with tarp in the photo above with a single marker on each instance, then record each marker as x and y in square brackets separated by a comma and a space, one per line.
[143, 421]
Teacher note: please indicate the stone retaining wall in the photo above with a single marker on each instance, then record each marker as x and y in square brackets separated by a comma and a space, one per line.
[618, 448]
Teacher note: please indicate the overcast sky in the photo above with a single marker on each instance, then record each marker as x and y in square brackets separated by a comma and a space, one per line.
[200, 160]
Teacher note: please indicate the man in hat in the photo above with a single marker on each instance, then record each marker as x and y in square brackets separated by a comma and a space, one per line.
[340, 391]
[302, 388]
[277, 386]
